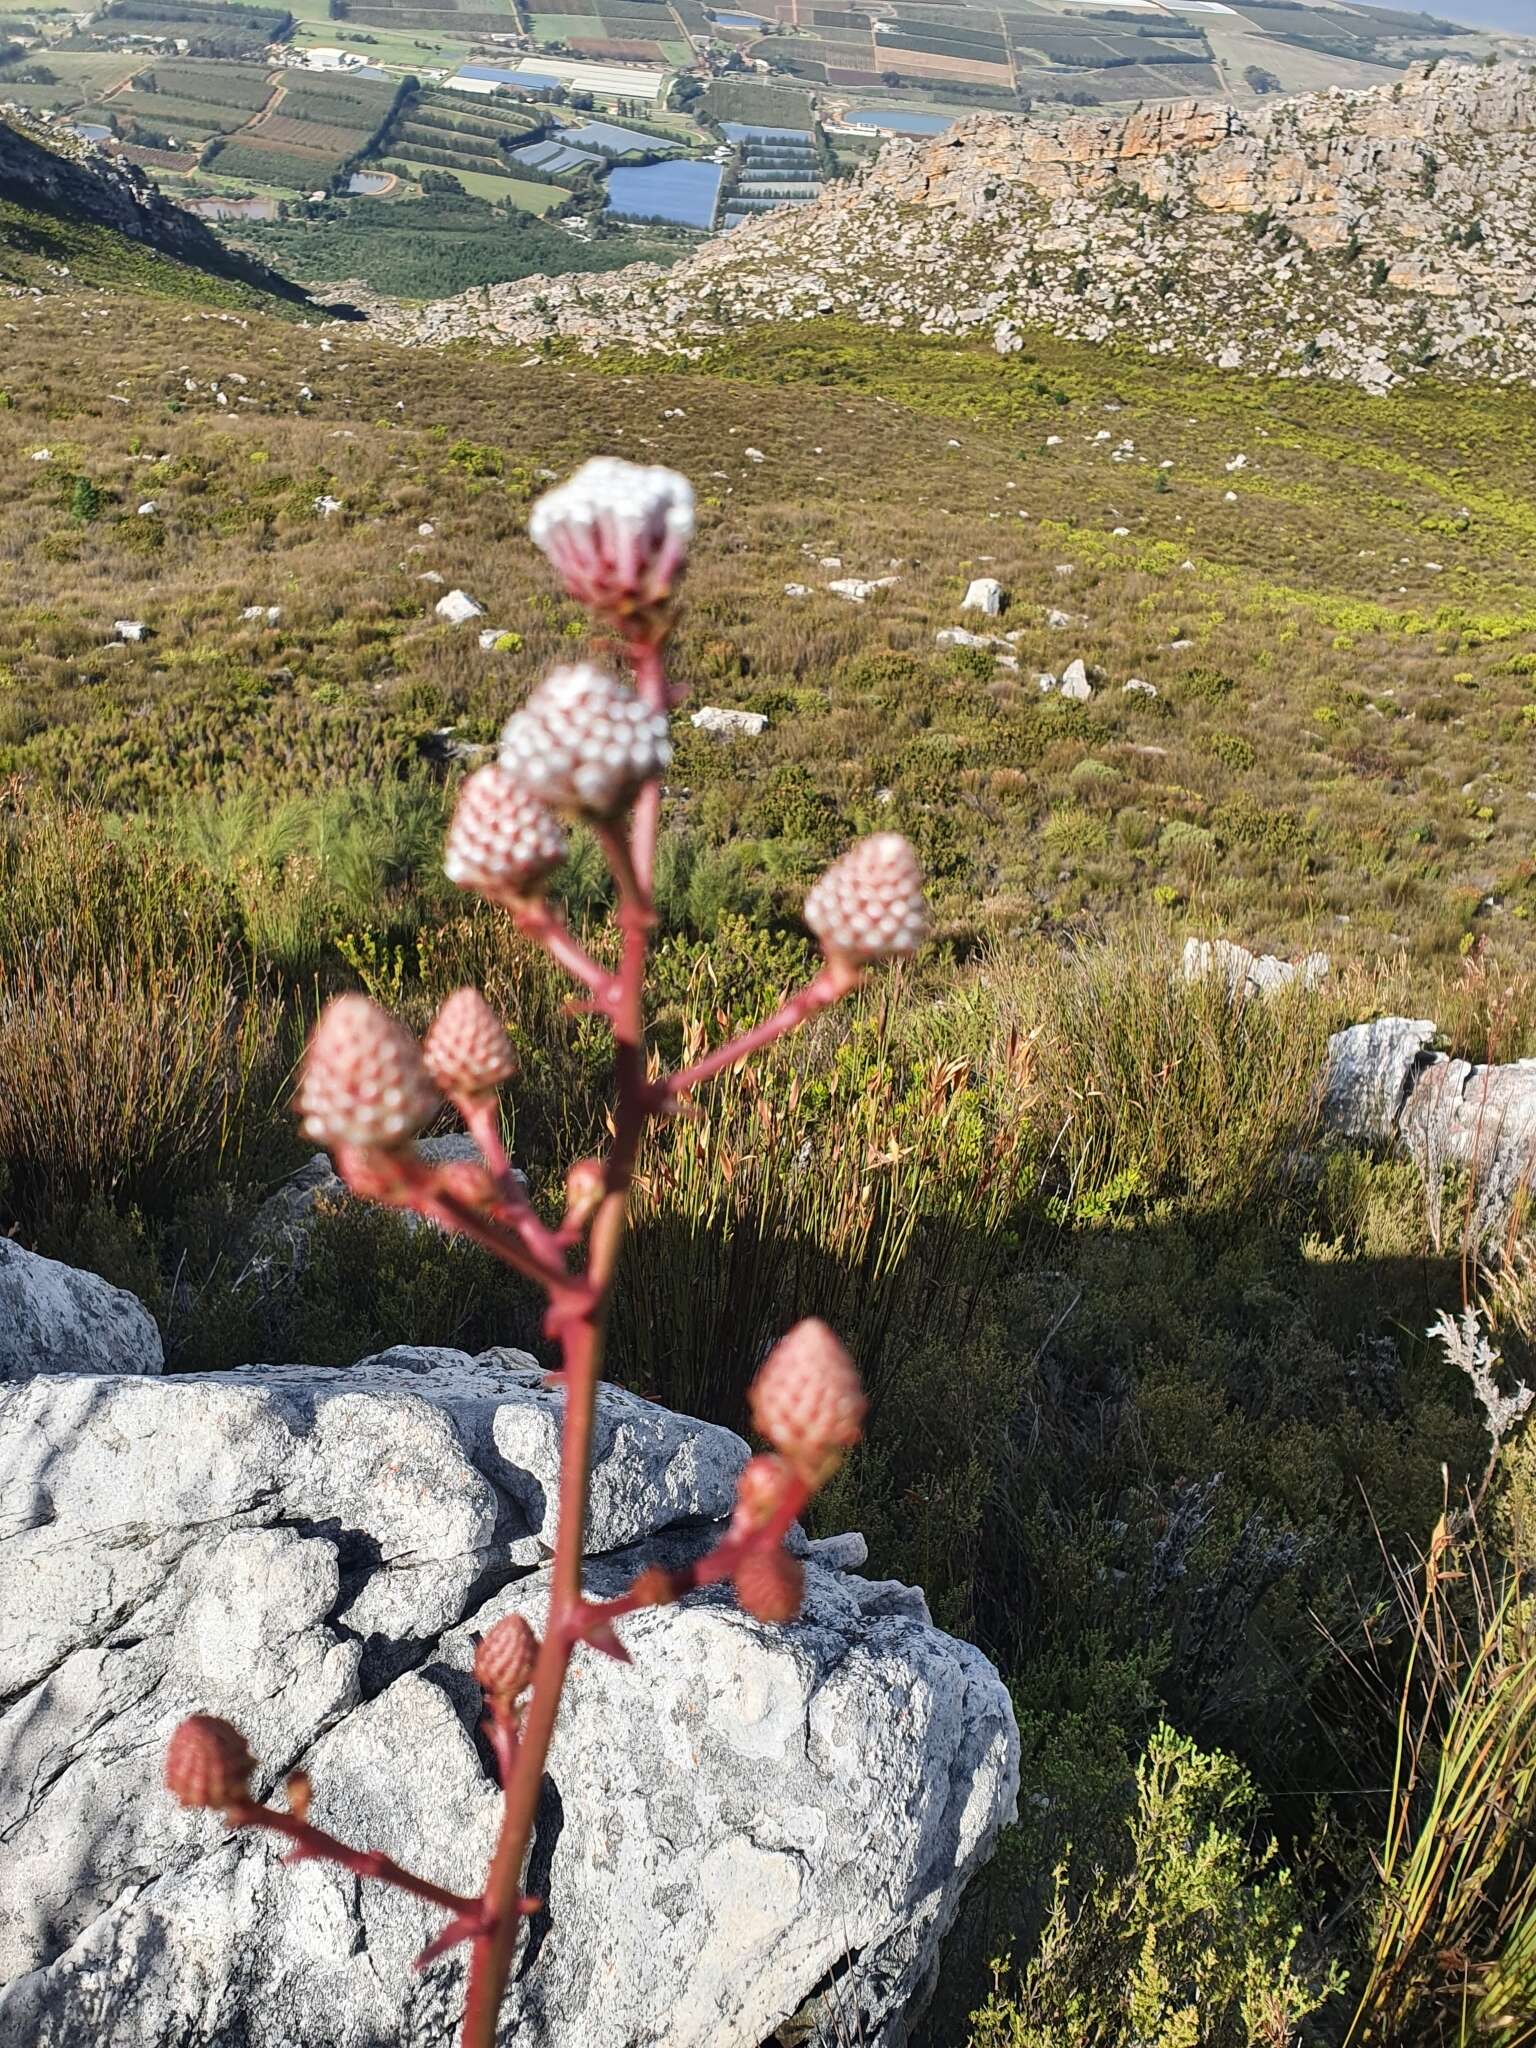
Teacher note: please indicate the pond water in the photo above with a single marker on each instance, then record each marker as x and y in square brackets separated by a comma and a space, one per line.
[683, 193]
[370, 183]
[900, 120]
[736, 20]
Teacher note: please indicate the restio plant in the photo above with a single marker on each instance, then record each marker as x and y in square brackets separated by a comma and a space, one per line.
[591, 747]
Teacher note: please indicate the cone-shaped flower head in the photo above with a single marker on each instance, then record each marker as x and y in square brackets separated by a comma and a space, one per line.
[869, 905]
[770, 1584]
[466, 1050]
[365, 1082]
[208, 1764]
[583, 742]
[807, 1400]
[505, 1656]
[618, 534]
[502, 839]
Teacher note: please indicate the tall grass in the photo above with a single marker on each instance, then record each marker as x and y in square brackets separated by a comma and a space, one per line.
[135, 1053]
[869, 1175]
[1453, 1944]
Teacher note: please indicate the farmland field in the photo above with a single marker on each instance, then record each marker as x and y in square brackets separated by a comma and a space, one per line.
[523, 192]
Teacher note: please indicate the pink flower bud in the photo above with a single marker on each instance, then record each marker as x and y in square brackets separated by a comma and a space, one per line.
[583, 742]
[505, 1656]
[207, 1764]
[869, 905]
[807, 1400]
[364, 1083]
[618, 534]
[466, 1050]
[502, 839]
[770, 1584]
[586, 1183]
[760, 1488]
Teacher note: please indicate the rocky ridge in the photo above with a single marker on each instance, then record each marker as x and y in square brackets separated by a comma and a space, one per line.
[1360, 236]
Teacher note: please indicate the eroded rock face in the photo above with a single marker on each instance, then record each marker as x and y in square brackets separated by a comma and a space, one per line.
[1248, 240]
[727, 1821]
[55, 1318]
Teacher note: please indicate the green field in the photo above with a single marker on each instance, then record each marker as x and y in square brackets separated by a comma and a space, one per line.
[523, 192]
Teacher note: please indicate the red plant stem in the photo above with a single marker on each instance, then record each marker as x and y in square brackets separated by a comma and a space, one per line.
[535, 920]
[311, 1842]
[482, 1121]
[837, 979]
[581, 1340]
[716, 1564]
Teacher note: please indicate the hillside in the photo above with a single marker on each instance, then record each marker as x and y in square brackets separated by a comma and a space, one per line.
[1355, 236]
[72, 217]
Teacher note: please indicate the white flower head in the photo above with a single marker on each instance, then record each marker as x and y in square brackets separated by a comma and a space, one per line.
[618, 534]
[502, 838]
[869, 905]
[585, 743]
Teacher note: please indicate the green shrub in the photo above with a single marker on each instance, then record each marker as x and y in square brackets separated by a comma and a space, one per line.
[1194, 1940]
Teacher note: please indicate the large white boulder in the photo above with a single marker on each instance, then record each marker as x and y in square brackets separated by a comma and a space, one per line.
[984, 594]
[54, 1318]
[739, 1818]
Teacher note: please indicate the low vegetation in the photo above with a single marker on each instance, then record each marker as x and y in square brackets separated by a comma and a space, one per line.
[1156, 1419]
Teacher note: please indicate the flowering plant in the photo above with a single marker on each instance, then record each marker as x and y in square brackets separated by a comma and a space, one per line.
[590, 746]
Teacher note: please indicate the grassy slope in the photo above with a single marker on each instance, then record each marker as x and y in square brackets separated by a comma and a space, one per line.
[1347, 735]
[39, 249]
[1136, 1433]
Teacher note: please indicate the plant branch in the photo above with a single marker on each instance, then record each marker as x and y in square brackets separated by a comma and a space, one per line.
[836, 980]
[313, 1844]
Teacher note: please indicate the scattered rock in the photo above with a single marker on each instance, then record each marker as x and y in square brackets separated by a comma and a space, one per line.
[857, 588]
[797, 590]
[326, 505]
[729, 724]
[1075, 683]
[958, 636]
[1251, 974]
[57, 1319]
[1045, 683]
[1057, 619]
[269, 613]
[148, 509]
[1136, 687]
[129, 629]
[458, 608]
[985, 594]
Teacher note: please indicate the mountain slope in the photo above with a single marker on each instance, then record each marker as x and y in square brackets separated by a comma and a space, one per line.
[70, 216]
[1356, 236]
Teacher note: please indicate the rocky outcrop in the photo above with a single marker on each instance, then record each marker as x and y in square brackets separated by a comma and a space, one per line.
[1384, 1084]
[52, 171]
[54, 1318]
[1250, 974]
[1364, 236]
[743, 1824]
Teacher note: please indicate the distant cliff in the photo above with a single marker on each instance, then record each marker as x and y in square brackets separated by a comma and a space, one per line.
[1363, 236]
[49, 172]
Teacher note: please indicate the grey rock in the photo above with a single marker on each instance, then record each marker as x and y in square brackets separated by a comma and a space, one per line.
[1074, 682]
[729, 724]
[55, 1318]
[858, 589]
[985, 594]
[960, 636]
[1369, 1072]
[734, 1820]
[281, 1226]
[458, 608]
[1250, 974]
[129, 629]
[847, 1553]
